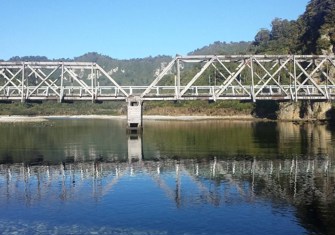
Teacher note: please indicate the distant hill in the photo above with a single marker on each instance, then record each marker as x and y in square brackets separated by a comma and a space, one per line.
[224, 48]
[29, 58]
[126, 72]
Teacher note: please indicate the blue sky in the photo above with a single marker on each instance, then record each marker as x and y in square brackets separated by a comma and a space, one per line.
[126, 29]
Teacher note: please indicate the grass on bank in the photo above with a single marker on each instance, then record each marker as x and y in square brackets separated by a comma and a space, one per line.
[198, 107]
[55, 108]
[119, 108]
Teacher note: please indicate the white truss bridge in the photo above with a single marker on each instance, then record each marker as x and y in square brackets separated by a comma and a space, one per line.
[210, 77]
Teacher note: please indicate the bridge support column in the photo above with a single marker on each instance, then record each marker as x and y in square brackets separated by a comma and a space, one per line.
[134, 114]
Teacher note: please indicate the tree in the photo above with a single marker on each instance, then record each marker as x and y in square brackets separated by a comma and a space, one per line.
[318, 27]
[262, 37]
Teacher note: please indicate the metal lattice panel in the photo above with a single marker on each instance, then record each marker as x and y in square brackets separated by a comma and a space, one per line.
[257, 77]
[57, 80]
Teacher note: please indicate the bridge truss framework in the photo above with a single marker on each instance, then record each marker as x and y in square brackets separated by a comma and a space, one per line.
[210, 77]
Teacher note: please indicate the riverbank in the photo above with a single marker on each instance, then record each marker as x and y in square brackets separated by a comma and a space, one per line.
[18, 118]
[46, 118]
[164, 110]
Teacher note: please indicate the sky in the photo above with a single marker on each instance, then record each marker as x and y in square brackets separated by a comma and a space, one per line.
[125, 29]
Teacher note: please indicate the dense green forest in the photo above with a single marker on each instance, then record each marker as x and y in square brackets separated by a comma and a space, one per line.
[312, 33]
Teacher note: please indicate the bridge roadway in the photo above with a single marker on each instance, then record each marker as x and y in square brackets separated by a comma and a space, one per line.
[199, 77]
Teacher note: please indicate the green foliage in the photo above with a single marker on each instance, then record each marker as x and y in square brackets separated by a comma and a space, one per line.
[29, 58]
[312, 33]
[262, 37]
[223, 48]
[200, 107]
[317, 22]
[55, 108]
[281, 39]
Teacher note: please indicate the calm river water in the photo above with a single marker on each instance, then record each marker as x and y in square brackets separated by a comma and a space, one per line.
[179, 177]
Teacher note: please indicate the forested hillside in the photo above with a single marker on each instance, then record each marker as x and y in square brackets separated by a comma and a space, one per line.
[224, 48]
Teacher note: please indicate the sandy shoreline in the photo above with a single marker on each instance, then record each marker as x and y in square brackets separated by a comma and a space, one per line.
[15, 118]
[22, 119]
[190, 118]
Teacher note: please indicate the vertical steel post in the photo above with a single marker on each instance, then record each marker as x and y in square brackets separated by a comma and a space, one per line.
[327, 93]
[92, 84]
[96, 85]
[22, 83]
[178, 79]
[96, 75]
[252, 79]
[61, 84]
[295, 79]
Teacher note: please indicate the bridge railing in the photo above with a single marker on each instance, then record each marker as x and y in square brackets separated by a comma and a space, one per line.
[102, 93]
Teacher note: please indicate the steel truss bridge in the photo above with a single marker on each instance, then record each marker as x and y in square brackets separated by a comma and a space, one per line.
[210, 77]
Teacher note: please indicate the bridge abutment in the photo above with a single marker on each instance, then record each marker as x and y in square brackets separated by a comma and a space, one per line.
[134, 114]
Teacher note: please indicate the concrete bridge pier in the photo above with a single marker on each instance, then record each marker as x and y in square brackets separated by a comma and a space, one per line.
[134, 114]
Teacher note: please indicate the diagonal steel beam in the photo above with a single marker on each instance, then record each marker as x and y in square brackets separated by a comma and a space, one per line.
[208, 63]
[272, 75]
[41, 77]
[260, 79]
[327, 75]
[309, 77]
[216, 69]
[231, 78]
[9, 80]
[303, 71]
[43, 80]
[81, 83]
[160, 76]
[223, 65]
[238, 82]
[112, 80]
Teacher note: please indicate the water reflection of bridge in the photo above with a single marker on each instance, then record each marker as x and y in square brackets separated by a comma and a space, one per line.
[215, 182]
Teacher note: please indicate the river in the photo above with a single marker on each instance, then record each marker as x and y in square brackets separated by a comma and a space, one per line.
[178, 177]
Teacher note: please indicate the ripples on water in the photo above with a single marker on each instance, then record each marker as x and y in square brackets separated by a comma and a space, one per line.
[89, 177]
